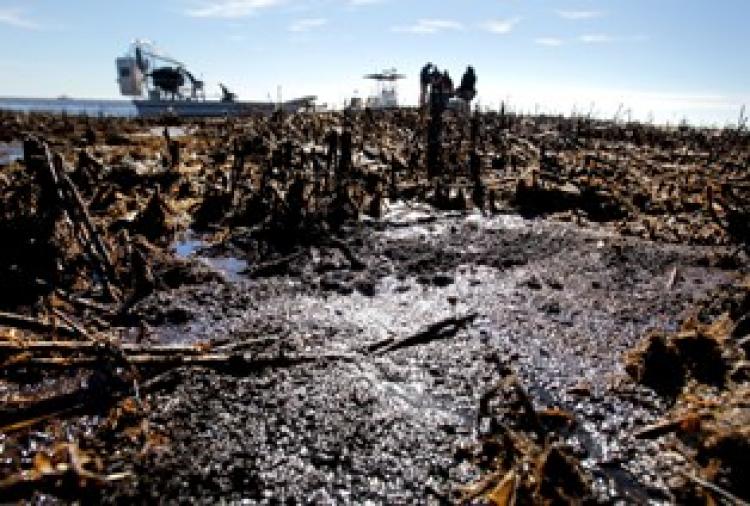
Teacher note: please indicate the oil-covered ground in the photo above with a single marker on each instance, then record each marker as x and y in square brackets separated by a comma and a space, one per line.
[555, 303]
[230, 312]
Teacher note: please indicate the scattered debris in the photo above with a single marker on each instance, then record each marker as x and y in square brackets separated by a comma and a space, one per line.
[518, 447]
[90, 333]
[700, 367]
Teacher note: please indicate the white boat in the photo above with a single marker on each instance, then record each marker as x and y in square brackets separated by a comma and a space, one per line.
[386, 96]
[160, 85]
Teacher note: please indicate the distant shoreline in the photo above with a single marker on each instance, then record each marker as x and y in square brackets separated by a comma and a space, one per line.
[126, 109]
[69, 105]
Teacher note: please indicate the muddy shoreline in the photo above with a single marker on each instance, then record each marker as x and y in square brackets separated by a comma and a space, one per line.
[357, 332]
[561, 324]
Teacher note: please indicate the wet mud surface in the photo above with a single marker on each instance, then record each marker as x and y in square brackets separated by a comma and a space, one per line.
[557, 303]
[336, 308]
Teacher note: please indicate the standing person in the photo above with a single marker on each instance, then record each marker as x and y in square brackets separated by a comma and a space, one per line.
[440, 93]
[425, 78]
[448, 84]
[441, 90]
[468, 89]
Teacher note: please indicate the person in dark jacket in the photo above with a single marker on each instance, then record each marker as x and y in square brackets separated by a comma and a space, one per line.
[425, 79]
[468, 89]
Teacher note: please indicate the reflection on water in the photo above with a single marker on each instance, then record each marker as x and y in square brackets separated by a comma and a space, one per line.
[188, 247]
[10, 152]
[230, 267]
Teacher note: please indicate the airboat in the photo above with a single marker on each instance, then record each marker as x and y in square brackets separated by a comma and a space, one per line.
[161, 85]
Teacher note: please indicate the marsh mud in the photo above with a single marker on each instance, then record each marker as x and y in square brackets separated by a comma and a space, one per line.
[558, 304]
[325, 308]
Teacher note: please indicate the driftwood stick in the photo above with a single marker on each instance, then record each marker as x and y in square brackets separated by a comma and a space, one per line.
[236, 362]
[658, 429]
[89, 238]
[26, 413]
[93, 347]
[13, 413]
[82, 211]
[715, 489]
[243, 345]
[51, 169]
[72, 202]
[70, 323]
[273, 266]
[443, 329]
[31, 422]
[35, 325]
[85, 303]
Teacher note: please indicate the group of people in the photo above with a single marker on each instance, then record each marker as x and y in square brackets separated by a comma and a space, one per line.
[437, 87]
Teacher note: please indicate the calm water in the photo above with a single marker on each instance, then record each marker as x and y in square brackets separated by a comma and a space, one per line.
[69, 106]
[10, 152]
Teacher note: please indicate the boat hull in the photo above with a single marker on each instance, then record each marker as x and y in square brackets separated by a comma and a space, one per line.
[152, 108]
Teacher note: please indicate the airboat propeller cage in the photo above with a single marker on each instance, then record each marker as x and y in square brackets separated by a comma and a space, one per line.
[130, 77]
[144, 70]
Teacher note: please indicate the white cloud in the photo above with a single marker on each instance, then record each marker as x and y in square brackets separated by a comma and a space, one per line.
[229, 9]
[549, 41]
[15, 17]
[501, 26]
[305, 25]
[429, 26]
[596, 38]
[579, 15]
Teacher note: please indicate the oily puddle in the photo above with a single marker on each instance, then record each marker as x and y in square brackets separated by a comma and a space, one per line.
[194, 246]
[10, 152]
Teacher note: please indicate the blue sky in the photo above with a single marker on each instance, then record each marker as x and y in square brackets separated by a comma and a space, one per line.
[663, 58]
